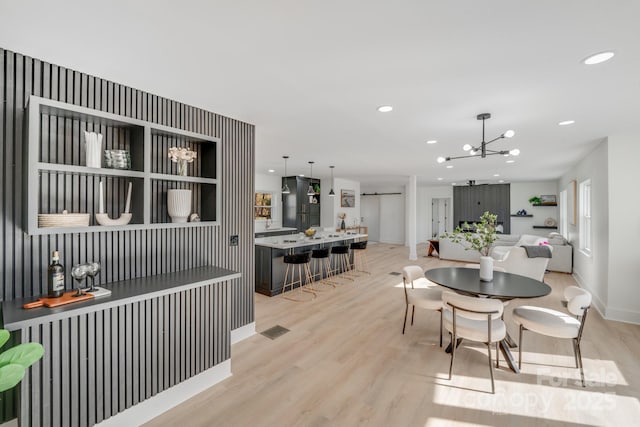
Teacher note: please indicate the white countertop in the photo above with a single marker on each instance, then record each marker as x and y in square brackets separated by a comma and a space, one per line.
[284, 242]
[278, 229]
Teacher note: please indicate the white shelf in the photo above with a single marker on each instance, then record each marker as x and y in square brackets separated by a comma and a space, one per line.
[178, 178]
[83, 170]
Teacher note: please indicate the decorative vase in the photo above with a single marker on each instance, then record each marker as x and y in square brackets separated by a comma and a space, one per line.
[342, 225]
[179, 205]
[182, 167]
[93, 149]
[486, 268]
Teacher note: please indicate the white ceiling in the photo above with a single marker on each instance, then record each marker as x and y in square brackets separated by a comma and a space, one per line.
[310, 75]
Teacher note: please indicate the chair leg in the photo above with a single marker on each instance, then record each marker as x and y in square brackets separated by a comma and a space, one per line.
[413, 312]
[520, 347]
[497, 354]
[493, 389]
[575, 353]
[453, 353]
[581, 366]
[404, 324]
[440, 327]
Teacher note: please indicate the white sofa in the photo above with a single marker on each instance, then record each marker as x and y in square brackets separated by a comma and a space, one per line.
[561, 260]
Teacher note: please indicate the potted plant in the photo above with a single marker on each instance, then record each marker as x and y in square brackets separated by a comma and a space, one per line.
[535, 201]
[480, 239]
[15, 361]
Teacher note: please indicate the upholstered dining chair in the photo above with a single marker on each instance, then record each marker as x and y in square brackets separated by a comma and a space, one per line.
[420, 292]
[516, 261]
[557, 324]
[474, 319]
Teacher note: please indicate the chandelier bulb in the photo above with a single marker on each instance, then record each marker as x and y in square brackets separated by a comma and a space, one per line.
[441, 160]
[467, 147]
[514, 152]
[509, 134]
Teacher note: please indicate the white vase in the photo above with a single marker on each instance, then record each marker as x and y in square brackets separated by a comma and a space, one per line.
[93, 149]
[486, 268]
[179, 205]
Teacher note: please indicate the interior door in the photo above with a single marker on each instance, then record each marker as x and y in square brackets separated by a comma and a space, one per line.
[370, 212]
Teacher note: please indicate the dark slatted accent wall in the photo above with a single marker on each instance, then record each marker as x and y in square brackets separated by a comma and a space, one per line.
[125, 254]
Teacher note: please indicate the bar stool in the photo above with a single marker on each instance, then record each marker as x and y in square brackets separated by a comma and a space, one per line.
[302, 262]
[320, 261]
[360, 262]
[341, 264]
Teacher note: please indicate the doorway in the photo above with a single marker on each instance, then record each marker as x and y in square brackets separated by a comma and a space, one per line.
[440, 217]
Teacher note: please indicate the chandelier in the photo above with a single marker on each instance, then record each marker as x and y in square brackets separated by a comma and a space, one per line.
[482, 149]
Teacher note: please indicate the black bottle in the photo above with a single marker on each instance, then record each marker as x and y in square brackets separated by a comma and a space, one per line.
[55, 277]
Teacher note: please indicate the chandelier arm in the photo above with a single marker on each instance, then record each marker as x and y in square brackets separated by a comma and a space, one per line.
[495, 139]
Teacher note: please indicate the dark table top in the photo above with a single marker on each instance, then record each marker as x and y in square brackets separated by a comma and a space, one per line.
[503, 286]
[15, 317]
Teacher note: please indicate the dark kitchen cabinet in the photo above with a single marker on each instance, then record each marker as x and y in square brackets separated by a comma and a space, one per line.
[299, 209]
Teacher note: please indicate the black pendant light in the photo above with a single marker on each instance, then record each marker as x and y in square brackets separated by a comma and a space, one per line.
[332, 193]
[311, 191]
[285, 187]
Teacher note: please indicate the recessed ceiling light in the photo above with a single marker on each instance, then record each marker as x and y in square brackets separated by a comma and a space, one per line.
[502, 180]
[271, 171]
[301, 175]
[496, 174]
[510, 161]
[566, 122]
[598, 58]
[449, 166]
[385, 108]
[453, 183]
[439, 179]
[431, 141]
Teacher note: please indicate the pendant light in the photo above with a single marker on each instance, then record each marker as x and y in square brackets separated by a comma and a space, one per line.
[285, 187]
[311, 191]
[332, 193]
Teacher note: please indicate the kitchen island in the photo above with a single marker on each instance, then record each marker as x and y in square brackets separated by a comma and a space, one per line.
[270, 252]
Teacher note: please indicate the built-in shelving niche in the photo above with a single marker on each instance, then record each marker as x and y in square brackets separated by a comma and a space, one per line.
[58, 178]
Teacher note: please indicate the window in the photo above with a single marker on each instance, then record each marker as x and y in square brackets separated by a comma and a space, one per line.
[263, 207]
[564, 225]
[585, 217]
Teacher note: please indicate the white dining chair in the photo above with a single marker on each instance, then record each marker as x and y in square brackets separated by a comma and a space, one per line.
[557, 324]
[516, 261]
[420, 292]
[474, 319]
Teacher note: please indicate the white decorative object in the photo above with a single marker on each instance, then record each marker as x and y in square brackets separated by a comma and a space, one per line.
[182, 156]
[93, 149]
[486, 268]
[102, 218]
[179, 205]
[65, 219]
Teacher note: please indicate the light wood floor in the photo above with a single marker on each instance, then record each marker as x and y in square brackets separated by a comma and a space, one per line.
[345, 362]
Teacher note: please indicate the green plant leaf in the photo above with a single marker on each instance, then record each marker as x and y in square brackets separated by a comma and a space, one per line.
[10, 376]
[4, 336]
[23, 354]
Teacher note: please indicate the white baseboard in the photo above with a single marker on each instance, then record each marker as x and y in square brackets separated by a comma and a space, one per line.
[609, 313]
[162, 402]
[243, 332]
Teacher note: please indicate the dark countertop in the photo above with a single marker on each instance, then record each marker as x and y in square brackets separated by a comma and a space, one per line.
[123, 292]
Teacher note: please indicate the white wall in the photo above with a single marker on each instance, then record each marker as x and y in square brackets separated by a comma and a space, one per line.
[273, 184]
[520, 193]
[591, 271]
[330, 206]
[624, 228]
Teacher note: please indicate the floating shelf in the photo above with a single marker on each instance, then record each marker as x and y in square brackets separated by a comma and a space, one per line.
[522, 216]
[550, 227]
[547, 204]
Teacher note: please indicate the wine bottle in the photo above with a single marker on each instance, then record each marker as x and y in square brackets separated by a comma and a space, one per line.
[55, 283]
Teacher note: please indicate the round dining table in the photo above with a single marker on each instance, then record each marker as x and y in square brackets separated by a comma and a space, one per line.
[504, 286]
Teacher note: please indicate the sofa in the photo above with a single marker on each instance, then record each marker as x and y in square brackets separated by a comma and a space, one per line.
[561, 259]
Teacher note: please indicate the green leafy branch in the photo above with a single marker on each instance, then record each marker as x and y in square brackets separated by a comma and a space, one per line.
[479, 240]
